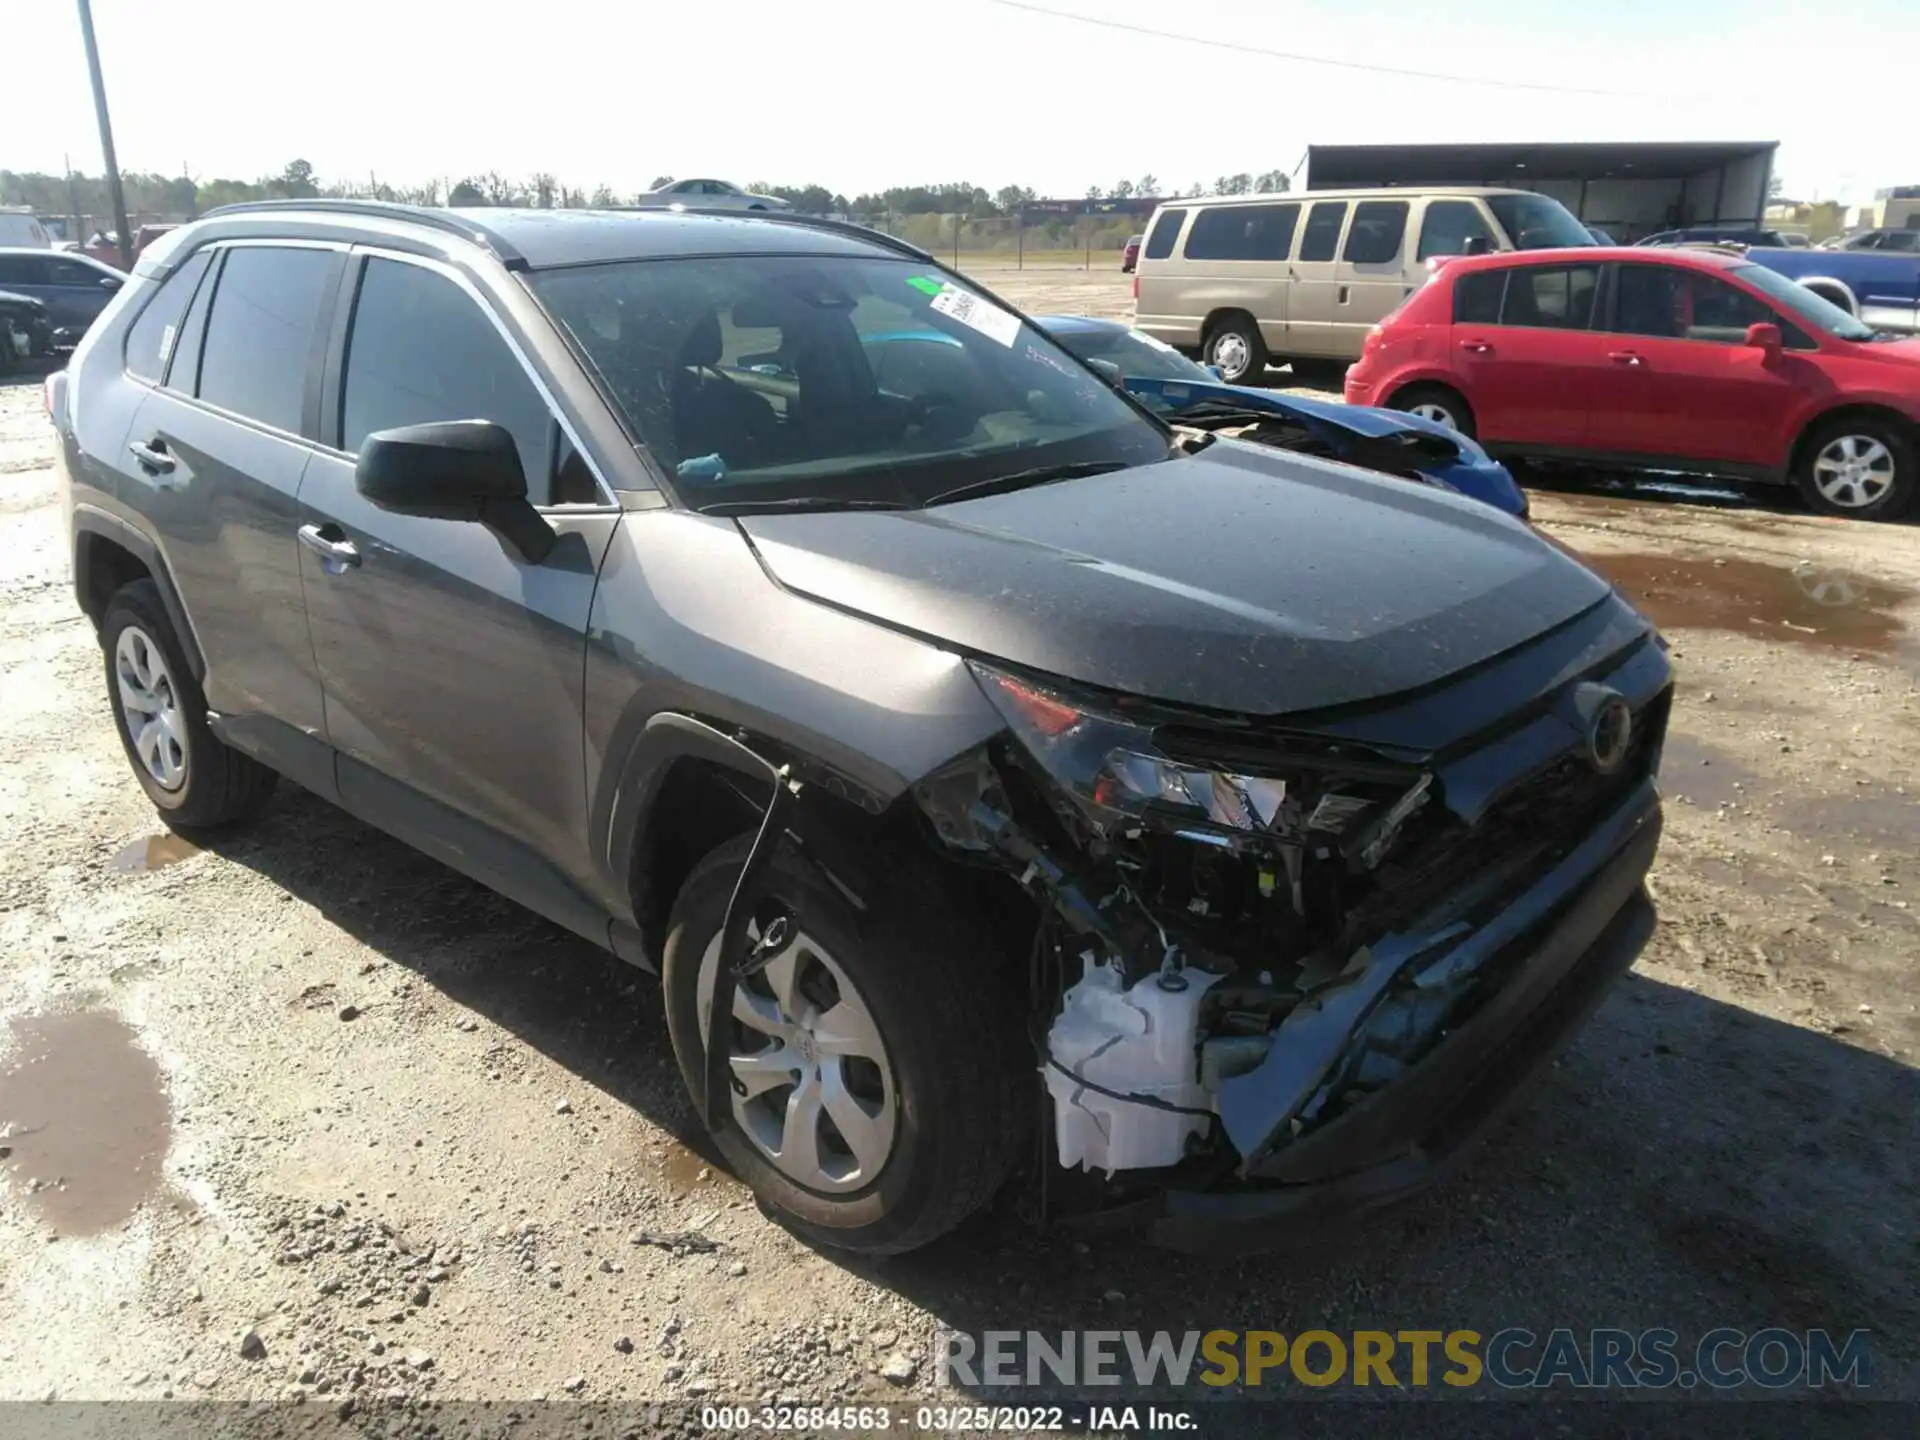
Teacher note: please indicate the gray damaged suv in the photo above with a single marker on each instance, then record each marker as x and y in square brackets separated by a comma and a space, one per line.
[994, 775]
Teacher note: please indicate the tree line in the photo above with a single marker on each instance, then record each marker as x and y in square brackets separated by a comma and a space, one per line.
[182, 197]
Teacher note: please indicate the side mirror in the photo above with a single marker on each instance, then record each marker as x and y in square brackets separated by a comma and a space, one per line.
[454, 470]
[1216, 372]
[1478, 245]
[109, 282]
[1765, 337]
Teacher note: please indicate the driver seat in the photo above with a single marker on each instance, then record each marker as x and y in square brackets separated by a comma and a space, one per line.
[711, 414]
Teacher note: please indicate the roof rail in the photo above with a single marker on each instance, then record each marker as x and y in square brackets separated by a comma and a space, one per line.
[434, 219]
[851, 228]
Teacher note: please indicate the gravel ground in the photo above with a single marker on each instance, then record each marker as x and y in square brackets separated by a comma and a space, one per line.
[307, 1115]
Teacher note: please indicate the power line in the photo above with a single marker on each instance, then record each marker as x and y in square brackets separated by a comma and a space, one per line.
[1322, 60]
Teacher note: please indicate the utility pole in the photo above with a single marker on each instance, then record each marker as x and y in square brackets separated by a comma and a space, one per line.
[106, 135]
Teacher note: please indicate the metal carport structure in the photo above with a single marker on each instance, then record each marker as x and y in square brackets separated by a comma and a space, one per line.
[1629, 190]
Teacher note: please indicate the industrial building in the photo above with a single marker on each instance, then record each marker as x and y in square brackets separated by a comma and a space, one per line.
[1628, 190]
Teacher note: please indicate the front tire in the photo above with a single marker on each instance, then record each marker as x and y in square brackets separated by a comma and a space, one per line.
[879, 1053]
[161, 714]
[1862, 468]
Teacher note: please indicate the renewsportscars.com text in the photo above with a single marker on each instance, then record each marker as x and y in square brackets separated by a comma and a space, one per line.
[1512, 1358]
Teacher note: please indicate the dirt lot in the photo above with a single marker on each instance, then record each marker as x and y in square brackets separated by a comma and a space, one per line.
[307, 1114]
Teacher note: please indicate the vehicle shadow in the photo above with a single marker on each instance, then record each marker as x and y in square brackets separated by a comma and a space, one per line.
[1687, 1164]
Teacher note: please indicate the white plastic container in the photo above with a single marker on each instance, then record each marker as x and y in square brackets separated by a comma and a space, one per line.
[1139, 1041]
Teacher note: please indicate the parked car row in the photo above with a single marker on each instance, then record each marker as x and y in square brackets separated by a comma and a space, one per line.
[988, 768]
[1671, 359]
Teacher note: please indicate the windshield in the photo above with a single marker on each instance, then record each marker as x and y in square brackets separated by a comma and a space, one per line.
[1533, 222]
[1822, 314]
[798, 379]
[1139, 356]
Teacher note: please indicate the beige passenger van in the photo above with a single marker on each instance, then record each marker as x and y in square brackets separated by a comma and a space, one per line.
[1252, 279]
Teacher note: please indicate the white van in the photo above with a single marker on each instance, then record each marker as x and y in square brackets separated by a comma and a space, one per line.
[19, 227]
[1252, 279]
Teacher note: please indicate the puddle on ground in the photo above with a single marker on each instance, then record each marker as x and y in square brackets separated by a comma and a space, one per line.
[1821, 606]
[1616, 496]
[154, 852]
[87, 1117]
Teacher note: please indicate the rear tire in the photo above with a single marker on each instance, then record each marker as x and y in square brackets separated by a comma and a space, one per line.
[940, 1105]
[160, 713]
[1863, 468]
[1233, 343]
[1439, 403]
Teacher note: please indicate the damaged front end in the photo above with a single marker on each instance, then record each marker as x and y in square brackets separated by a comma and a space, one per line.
[1254, 938]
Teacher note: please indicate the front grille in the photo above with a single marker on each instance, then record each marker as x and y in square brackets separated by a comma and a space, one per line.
[1526, 829]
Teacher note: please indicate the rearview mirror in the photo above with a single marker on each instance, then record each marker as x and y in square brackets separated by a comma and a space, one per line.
[454, 470]
[1765, 337]
[1108, 371]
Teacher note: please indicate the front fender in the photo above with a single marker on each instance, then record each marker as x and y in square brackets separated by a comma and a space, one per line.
[687, 623]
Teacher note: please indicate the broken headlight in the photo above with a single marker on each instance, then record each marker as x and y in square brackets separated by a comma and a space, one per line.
[1110, 766]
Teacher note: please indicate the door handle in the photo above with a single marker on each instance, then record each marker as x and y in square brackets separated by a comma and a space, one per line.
[1625, 357]
[152, 456]
[1343, 295]
[334, 549]
[1476, 347]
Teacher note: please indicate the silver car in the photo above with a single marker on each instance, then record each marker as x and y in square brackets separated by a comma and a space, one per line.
[710, 195]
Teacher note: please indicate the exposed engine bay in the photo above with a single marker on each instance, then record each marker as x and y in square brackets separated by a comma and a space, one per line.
[1216, 904]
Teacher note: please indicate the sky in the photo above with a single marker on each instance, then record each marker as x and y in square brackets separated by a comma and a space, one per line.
[858, 95]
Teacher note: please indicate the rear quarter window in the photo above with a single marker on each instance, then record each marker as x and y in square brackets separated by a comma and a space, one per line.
[1477, 295]
[1166, 230]
[152, 338]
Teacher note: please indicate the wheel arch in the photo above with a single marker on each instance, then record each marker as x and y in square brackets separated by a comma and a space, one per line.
[1860, 409]
[687, 787]
[1831, 288]
[109, 553]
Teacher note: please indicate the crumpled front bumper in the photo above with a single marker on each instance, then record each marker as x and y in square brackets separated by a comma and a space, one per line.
[1582, 932]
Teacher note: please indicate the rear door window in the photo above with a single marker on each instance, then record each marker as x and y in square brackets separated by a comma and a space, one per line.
[422, 350]
[1551, 297]
[151, 340]
[1243, 232]
[22, 270]
[1377, 230]
[1324, 222]
[1447, 227]
[73, 273]
[1477, 296]
[1166, 229]
[260, 332]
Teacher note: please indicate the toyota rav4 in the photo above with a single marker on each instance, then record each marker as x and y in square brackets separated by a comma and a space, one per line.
[987, 768]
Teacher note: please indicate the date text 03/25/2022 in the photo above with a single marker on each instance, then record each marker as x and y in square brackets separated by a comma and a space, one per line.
[946, 1419]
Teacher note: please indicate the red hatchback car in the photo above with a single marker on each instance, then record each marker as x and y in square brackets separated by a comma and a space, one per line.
[1674, 360]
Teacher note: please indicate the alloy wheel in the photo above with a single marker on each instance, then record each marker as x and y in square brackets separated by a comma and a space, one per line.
[813, 1089]
[150, 708]
[1439, 414]
[1853, 471]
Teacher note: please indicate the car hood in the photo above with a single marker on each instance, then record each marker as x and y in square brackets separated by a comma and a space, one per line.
[1240, 579]
[1370, 421]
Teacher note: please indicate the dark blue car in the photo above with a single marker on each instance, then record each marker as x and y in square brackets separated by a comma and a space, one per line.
[1178, 389]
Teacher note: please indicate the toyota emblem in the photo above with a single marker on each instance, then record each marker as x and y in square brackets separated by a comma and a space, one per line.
[1609, 732]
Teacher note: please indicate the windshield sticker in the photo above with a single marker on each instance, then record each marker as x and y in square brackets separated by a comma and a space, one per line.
[975, 313]
[927, 283]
